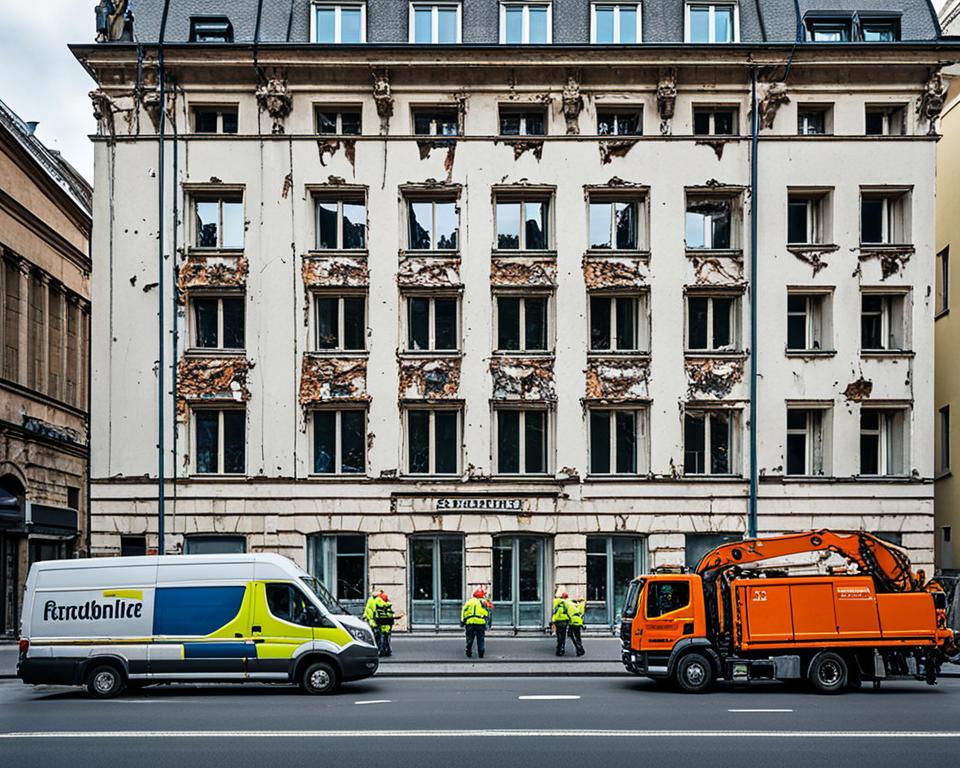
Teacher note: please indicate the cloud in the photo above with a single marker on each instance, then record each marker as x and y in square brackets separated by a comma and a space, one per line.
[42, 80]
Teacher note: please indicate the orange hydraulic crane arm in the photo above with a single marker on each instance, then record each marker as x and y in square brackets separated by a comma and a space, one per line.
[888, 564]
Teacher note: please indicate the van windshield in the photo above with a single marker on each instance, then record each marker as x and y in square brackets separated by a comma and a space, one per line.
[326, 599]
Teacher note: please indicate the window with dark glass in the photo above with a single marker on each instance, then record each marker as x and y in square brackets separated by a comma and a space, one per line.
[339, 121]
[288, 603]
[807, 217]
[884, 217]
[814, 120]
[521, 441]
[885, 119]
[219, 222]
[432, 324]
[829, 29]
[210, 29]
[523, 121]
[709, 223]
[339, 561]
[220, 441]
[879, 30]
[434, 225]
[882, 322]
[617, 224]
[620, 121]
[341, 223]
[942, 282]
[883, 441]
[436, 121]
[215, 119]
[341, 323]
[618, 441]
[218, 322]
[712, 323]
[618, 323]
[339, 442]
[715, 121]
[522, 323]
[806, 321]
[665, 597]
[522, 225]
[433, 441]
[804, 441]
[708, 442]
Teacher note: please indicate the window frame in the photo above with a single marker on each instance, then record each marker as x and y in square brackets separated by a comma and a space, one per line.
[736, 329]
[339, 110]
[432, 409]
[616, 5]
[943, 427]
[522, 198]
[818, 215]
[889, 110]
[818, 325]
[942, 282]
[432, 298]
[824, 110]
[523, 110]
[642, 439]
[642, 322]
[816, 429]
[548, 444]
[219, 197]
[338, 8]
[612, 197]
[219, 409]
[733, 447]
[408, 201]
[608, 108]
[436, 108]
[525, 33]
[338, 471]
[220, 108]
[885, 457]
[196, 22]
[735, 202]
[340, 295]
[434, 21]
[219, 297]
[522, 296]
[816, 23]
[889, 330]
[712, 23]
[340, 198]
[895, 216]
[712, 110]
[323, 559]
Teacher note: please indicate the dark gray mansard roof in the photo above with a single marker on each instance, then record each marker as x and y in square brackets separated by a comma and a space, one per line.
[288, 21]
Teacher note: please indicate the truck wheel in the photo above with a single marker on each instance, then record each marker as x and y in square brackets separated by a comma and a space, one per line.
[319, 679]
[104, 681]
[828, 672]
[694, 673]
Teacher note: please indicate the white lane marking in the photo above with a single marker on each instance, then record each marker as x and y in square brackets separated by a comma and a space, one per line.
[759, 710]
[426, 734]
[374, 701]
[548, 698]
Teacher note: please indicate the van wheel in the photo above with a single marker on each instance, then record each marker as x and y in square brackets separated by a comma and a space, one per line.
[694, 673]
[319, 679]
[828, 672]
[104, 681]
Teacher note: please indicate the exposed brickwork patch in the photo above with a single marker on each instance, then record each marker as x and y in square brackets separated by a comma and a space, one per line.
[333, 379]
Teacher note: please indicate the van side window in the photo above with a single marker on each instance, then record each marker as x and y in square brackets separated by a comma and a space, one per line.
[666, 597]
[288, 603]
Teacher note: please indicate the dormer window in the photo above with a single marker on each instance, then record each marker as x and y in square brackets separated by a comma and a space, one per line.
[713, 23]
[210, 29]
[879, 30]
[339, 23]
[829, 29]
[526, 23]
[615, 23]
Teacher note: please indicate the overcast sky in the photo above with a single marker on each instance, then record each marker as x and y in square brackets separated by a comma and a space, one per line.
[42, 81]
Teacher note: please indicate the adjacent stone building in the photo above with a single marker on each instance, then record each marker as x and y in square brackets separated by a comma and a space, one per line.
[463, 289]
[45, 218]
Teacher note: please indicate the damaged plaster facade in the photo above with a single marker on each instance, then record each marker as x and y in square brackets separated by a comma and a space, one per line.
[552, 522]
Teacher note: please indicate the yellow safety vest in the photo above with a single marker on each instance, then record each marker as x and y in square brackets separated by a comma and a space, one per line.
[370, 611]
[576, 613]
[474, 611]
[561, 610]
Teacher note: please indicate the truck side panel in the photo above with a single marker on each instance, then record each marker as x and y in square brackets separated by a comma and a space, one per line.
[814, 616]
[908, 616]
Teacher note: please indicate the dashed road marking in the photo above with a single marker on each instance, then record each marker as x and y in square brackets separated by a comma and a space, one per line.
[759, 710]
[545, 697]
[374, 701]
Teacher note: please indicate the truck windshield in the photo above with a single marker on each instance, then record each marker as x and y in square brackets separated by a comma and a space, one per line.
[633, 596]
[326, 599]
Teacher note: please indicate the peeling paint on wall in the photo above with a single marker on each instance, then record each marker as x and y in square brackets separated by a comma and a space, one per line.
[716, 145]
[717, 270]
[333, 379]
[430, 378]
[612, 149]
[335, 272]
[523, 145]
[523, 273]
[523, 379]
[811, 256]
[858, 390]
[212, 272]
[617, 380]
[712, 377]
[892, 259]
[201, 379]
[330, 147]
[613, 272]
[429, 272]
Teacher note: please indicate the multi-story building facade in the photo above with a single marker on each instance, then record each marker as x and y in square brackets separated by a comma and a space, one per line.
[45, 218]
[463, 290]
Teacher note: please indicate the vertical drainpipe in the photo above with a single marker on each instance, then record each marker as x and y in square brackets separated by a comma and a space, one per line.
[754, 292]
[161, 548]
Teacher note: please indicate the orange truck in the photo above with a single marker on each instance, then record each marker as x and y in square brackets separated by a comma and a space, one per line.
[740, 620]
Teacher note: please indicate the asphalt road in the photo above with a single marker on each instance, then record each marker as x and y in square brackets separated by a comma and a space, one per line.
[481, 721]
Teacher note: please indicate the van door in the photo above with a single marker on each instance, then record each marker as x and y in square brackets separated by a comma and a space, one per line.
[281, 623]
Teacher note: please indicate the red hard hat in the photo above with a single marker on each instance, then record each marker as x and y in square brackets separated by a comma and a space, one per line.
[564, 595]
[383, 595]
[478, 593]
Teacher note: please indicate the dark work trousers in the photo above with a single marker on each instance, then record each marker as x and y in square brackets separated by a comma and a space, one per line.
[385, 649]
[479, 632]
[576, 639]
[561, 627]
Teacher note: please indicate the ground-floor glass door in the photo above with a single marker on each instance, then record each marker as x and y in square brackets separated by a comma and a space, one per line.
[518, 582]
[436, 581]
[612, 563]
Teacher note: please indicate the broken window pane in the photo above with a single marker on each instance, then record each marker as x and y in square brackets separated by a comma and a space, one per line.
[354, 225]
[446, 457]
[328, 322]
[354, 322]
[535, 323]
[694, 444]
[207, 441]
[626, 440]
[233, 323]
[445, 319]
[508, 442]
[418, 441]
[353, 441]
[421, 226]
[708, 223]
[508, 226]
[205, 313]
[324, 442]
[208, 222]
[600, 323]
[418, 323]
[234, 442]
[535, 442]
[600, 442]
[508, 323]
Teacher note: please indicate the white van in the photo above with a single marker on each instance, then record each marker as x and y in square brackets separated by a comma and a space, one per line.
[112, 622]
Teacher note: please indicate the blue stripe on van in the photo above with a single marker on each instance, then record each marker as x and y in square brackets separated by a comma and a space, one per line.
[195, 610]
[219, 651]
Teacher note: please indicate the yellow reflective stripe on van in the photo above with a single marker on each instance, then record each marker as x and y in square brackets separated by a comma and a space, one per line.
[124, 594]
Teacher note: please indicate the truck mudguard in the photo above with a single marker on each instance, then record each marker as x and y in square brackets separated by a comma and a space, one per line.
[700, 644]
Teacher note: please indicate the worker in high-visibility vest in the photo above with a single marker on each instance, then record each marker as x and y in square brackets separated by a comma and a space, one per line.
[561, 620]
[370, 615]
[473, 618]
[577, 609]
[379, 615]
